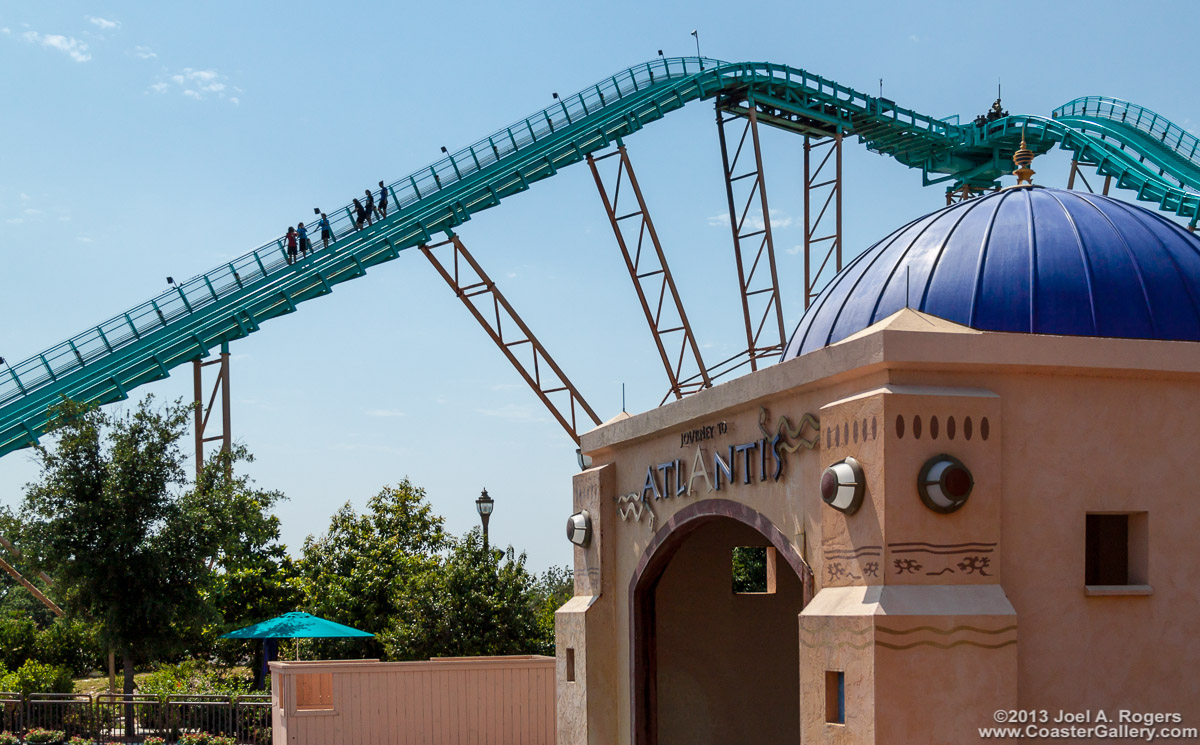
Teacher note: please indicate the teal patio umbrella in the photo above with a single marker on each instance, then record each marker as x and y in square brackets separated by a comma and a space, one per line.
[295, 626]
[292, 626]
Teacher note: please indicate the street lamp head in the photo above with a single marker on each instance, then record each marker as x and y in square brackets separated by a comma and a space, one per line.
[484, 504]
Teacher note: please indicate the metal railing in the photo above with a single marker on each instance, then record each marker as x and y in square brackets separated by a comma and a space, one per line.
[1177, 139]
[119, 718]
[270, 259]
[260, 267]
[1128, 171]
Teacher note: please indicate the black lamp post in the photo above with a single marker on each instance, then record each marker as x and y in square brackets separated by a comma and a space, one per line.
[484, 506]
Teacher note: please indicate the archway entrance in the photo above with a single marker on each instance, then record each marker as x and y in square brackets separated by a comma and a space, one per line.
[711, 665]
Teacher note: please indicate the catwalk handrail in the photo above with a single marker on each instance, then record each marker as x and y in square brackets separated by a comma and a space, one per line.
[181, 324]
[1130, 173]
[1182, 142]
[1152, 138]
[269, 259]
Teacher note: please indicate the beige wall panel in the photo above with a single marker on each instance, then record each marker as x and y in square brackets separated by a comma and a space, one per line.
[500, 700]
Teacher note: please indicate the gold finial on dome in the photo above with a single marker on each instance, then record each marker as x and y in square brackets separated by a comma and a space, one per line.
[1023, 158]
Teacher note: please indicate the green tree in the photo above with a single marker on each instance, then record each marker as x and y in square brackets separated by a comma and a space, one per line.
[18, 641]
[30, 630]
[38, 677]
[356, 573]
[109, 522]
[476, 602]
[71, 643]
[749, 569]
[15, 600]
[554, 587]
[252, 576]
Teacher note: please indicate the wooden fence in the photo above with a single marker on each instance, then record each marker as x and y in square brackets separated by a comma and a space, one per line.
[449, 701]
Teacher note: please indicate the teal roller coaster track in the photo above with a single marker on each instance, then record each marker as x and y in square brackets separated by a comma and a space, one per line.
[1140, 150]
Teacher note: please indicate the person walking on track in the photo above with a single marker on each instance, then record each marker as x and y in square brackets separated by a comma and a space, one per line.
[371, 211]
[291, 245]
[326, 230]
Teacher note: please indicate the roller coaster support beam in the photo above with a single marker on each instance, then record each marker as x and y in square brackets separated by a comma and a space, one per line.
[1076, 172]
[16, 552]
[203, 412]
[544, 375]
[758, 279]
[818, 181]
[33, 590]
[50, 604]
[650, 273]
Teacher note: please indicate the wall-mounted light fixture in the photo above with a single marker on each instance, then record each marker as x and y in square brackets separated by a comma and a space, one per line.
[843, 485]
[585, 461]
[944, 483]
[579, 528]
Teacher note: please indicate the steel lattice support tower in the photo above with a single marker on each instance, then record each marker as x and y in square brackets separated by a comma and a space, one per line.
[754, 249]
[203, 411]
[651, 276]
[817, 182]
[498, 318]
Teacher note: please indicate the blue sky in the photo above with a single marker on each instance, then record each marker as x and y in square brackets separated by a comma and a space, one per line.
[142, 140]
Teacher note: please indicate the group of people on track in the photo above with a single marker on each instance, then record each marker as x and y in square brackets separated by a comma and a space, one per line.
[298, 243]
[996, 112]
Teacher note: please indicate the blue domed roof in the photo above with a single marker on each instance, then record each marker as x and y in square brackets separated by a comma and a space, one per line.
[1029, 260]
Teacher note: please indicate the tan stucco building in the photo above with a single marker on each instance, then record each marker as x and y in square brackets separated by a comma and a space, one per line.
[973, 498]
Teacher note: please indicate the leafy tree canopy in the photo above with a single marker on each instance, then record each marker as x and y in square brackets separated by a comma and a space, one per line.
[554, 588]
[128, 546]
[359, 570]
[252, 576]
[15, 600]
[479, 601]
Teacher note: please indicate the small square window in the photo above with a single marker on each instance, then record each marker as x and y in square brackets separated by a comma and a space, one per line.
[753, 570]
[835, 697]
[1115, 549]
[314, 692]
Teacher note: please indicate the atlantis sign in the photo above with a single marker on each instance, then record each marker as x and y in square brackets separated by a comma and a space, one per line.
[757, 460]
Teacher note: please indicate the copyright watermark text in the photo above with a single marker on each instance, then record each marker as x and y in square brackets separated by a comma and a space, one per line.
[1121, 724]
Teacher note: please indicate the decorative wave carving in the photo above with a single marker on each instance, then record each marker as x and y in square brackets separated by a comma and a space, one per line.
[946, 632]
[633, 508]
[951, 645]
[784, 427]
